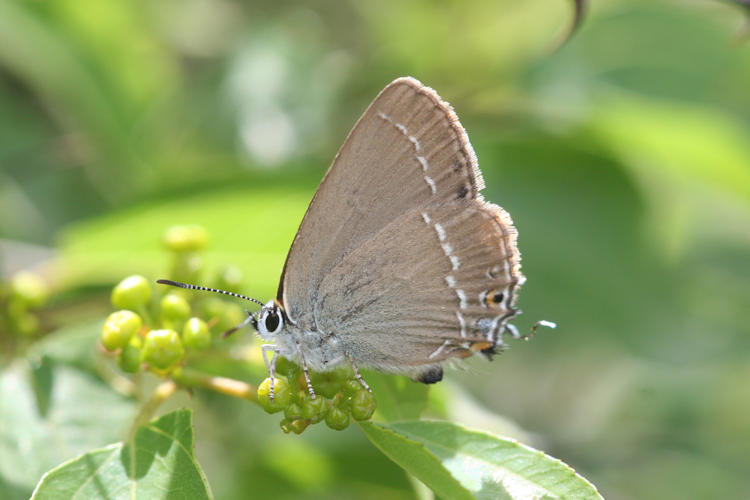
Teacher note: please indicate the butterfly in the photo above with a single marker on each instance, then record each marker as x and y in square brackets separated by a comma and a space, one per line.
[399, 263]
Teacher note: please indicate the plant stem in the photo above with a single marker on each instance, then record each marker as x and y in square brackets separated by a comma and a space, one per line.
[228, 386]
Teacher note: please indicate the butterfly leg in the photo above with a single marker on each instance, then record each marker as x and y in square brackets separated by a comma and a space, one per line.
[306, 372]
[357, 375]
[270, 366]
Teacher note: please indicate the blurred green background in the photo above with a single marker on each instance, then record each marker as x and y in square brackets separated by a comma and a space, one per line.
[623, 157]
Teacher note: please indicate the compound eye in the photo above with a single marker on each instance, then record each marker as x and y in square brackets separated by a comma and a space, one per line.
[271, 320]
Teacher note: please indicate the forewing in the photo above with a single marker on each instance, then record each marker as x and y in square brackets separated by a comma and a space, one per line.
[407, 150]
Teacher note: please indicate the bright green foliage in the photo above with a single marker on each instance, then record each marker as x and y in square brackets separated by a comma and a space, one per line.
[131, 293]
[119, 327]
[162, 348]
[157, 463]
[442, 454]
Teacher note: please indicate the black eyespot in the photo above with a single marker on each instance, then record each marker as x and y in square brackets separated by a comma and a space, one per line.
[492, 298]
[272, 321]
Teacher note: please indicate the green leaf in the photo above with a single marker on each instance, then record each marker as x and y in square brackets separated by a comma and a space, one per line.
[445, 456]
[157, 463]
[73, 345]
[398, 397]
[416, 459]
[51, 412]
[689, 161]
[103, 249]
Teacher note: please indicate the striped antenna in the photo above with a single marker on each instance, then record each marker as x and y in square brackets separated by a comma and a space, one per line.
[207, 289]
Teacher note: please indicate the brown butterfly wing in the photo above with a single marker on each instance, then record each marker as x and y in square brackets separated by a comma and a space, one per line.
[373, 260]
[406, 150]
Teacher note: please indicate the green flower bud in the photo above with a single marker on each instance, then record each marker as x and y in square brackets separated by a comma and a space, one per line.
[285, 425]
[162, 348]
[195, 334]
[129, 358]
[182, 239]
[282, 395]
[363, 405]
[298, 426]
[293, 411]
[337, 419]
[29, 289]
[326, 383]
[174, 307]
[119, 327]
[351, 386]
[131, 293]
[314, 410]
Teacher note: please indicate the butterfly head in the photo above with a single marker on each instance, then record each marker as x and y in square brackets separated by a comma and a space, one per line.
[270, 321]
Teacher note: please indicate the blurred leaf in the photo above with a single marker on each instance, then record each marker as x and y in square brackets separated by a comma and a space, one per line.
[73, 345]
[690, 162]
[251, 228]
[50, 412]
[446, 39]
[72, 89]
[398, 397]
[157, 463]
[486, 466]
